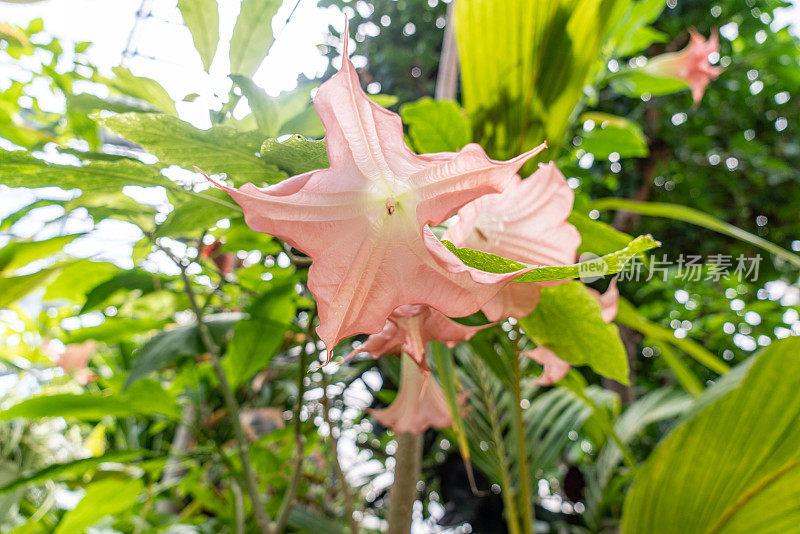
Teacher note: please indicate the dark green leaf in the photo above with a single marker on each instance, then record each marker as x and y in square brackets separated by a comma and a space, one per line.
[436, 125]
[296, 154]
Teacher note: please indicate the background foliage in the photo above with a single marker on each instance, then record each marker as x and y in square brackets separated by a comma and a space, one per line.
[148, 420]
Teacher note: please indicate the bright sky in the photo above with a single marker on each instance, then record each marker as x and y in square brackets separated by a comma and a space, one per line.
[162, 36]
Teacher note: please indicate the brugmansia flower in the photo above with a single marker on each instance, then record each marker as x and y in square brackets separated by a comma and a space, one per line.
[74, 360]
[364, 221]
[420, 403]
[690, 64]
[410, 328]
[525, 223]
[554, 367]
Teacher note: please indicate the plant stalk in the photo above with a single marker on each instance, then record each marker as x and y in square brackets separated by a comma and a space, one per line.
[522, 453]
[251, 482]
[407, 470]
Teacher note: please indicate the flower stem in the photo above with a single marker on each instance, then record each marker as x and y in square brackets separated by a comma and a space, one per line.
[522, 453]
[407, 470]
[251, 483]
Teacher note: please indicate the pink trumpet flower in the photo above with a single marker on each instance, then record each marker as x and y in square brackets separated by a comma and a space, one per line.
[554, 367]
[409, 329]
[527, 222]
[364, 221]
[74, 360]
[690, 64]
[420, 403]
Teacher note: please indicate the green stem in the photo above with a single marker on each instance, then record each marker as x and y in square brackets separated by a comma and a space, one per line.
[297, 469]
[407, 468]
[251, 482]
[507, 489]
[522, 452]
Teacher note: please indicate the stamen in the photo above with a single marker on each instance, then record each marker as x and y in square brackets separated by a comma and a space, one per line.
[390, 205]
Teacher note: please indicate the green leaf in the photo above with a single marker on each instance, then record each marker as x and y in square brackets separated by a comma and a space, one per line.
[17, 254]
[127, 280]
[202, 19]
[696, 217]
[20, 169]
[568, 321]
[168, 346]
[110, 496]
[73, 469]
[78, 278]
[608, 264]
[191, 217]
[613, 134]
[13, 288]
[218, 150]
[436, 125]
[628, 316]
[92, 407]
[735, 466]
[252, 35]
[256, 339]
[296, 154]
[634, 83]
[265, 109]
[525, 64]
[142, 88]
[641, 39]
[597, 237]
[115, 330]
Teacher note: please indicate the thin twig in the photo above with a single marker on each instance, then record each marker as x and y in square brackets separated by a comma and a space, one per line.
[251, 483]
[300, 441]
[344, 485]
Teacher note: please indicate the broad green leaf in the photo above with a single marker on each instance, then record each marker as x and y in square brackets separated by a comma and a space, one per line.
[78, 278]
[525, 64]
[13, 288]
[202, 19]
[218, 150]
[168, 346]
[265, 109]
[73, 469]
[567, 321]
[20, 169]
[596, 236]
[634, 83]
[296, 154]
[87, 103]
[628, 316]
[252, 35]
[142, 88]
[115, 330]
[191, 217]
[735, 466]
[436, 125]
[114, 205]
[17, 254]
[608, 264]
[696, 217]
[93, 407]
[256, 339]
[641, 39]
[613, 134]
[109, 496]
[141, 281]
